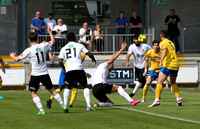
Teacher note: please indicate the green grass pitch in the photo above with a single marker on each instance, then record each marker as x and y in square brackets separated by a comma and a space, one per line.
[17, 111]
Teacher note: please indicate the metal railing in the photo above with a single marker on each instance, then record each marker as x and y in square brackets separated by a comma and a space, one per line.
[110, 42]
[190, 41]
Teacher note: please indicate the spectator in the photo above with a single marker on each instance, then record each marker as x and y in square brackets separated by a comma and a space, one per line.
[121, 23]
[38, 24]
[86, 36]
[50, 21]
[98, 39]
[136, 22]
[60, 31]
[173, 31]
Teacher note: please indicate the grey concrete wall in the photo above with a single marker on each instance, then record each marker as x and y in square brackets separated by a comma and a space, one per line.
[188, 11]
[44, 6]
[8, 31]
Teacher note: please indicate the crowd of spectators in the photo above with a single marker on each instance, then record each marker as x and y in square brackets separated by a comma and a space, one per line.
[89, 37]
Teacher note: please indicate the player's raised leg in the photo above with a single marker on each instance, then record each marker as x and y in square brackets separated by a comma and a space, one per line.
[46, 81]
[61, 84]
[121, 92]
[146, 87]
[176, 90]
[161, 78]
[73, 96]
[37, 101]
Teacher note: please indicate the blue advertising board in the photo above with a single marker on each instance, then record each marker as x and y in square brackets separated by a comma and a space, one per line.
[121, 75]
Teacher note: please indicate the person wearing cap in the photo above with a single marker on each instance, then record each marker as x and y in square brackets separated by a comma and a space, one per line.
[50, 21]
[173, 31]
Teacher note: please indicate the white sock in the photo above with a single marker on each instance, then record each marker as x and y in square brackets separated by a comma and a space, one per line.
[177, 98]
[38, 103]
[59, 99]
[86, 92]
[137, 86]
[124, 94]
[156, 99]
[105, 104]
[152, 89]
[66, 96]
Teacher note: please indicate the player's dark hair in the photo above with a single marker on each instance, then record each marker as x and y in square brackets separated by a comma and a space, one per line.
[71, 36]
[172, 9]
[135, 36]
[33, 37]
[156, 41]
[121, 12]
[164, 33]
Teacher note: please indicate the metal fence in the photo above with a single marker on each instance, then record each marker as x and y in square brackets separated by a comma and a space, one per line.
[190, 39]
[110, 42]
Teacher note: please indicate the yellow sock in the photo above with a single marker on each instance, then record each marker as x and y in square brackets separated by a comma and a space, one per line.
[74, 94]
[158, 91]
[58, 91]
[176, 90]
[145, 90]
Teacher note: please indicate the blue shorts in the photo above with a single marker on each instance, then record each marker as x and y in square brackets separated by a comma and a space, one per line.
[153, 74]
[62, 78]
[169, 72]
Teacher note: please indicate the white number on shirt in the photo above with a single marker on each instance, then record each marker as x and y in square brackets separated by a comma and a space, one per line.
[37, 54]
[69, 52]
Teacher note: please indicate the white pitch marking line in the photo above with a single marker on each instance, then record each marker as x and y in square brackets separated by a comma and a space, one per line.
[154, 114]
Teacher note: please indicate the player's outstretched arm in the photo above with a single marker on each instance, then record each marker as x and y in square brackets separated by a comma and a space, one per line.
[91, 57]
[2, 64]
[51, 35]
[114, 57]
[13, 55]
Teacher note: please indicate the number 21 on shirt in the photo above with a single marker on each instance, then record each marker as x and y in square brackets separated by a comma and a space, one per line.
[69, 52]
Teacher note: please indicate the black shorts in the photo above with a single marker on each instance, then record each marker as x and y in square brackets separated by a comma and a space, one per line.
[100, 90]
[77, 76]
[139, 74]
[35, 81]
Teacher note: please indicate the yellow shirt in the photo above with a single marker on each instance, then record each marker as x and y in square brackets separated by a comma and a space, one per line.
[170, 61]
[83, 55]
[154, 61]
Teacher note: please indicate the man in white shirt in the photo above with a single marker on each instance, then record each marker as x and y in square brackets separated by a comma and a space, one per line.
[37, 55]
[50, 21]
[60, 31]
[86, 36]
[74, 70]
[139, 51]
[101, 87]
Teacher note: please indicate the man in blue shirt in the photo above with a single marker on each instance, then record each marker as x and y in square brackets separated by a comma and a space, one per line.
[38, 24]
[121, 23]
